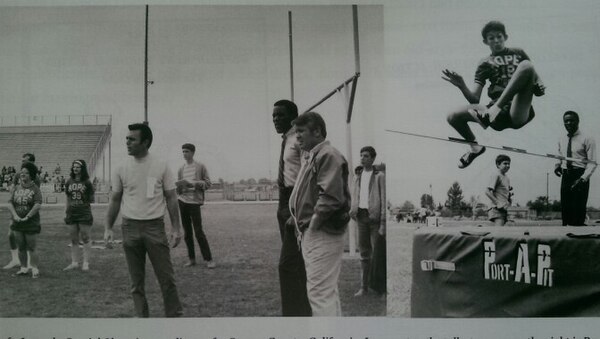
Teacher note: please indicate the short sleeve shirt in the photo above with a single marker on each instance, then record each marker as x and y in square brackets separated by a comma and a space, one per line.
[80, 194]
[143, 183]
[499, 69]
[23, 198]
[501, 186]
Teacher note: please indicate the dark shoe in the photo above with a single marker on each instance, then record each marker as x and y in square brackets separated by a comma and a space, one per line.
[468, 158]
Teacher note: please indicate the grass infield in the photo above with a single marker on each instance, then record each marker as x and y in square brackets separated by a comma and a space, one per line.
[245, 243]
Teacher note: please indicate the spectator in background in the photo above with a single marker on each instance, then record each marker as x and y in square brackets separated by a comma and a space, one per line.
[192, 181]
[57, 169]
[13, 181]
[24, 205]
[368, 209]
[80, 193]
[575, 181]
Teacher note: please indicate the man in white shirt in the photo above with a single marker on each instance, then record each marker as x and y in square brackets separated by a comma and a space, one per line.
[575, 182]
[140, 188]
[368, 209]
[292, 274]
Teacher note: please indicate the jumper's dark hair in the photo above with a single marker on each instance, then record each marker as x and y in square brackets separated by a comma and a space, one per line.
[145, 132]
[573, 113]
[369, 149]
[493, 26]
[31, 168]
[84, 170]
[313, 121]
[502, 157]
[290, 107]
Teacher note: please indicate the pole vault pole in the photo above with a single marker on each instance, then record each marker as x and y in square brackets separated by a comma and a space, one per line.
[291, 56]
[146, 69]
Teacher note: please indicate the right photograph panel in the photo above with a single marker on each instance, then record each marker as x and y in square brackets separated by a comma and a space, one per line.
[491, 129]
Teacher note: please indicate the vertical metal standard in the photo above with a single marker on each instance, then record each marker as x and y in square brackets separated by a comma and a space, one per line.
[146, 69]
[110, 164]
[104, 166]
[353, 227]
[547, 197]
[356, 52]
[291, 56]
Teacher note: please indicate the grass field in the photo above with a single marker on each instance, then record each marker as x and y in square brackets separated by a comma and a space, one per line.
[399, 257]
[244, 240]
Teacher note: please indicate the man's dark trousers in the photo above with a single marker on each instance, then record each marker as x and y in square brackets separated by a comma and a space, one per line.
[573, 200]
[292, 274]
[191, 219]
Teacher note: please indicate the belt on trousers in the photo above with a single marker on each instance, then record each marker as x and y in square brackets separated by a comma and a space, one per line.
[574, 170]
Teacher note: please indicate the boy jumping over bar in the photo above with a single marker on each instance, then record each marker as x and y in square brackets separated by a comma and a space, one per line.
[513, 83]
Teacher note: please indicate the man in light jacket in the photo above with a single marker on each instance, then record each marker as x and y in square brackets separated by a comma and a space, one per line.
[319, 204]
[368, 209]
[192, 181]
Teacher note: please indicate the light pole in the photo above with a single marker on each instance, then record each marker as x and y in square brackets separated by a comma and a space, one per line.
[547, 198]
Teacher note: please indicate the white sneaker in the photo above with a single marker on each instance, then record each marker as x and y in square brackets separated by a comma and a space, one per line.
[22, 271]
[211, 264]
[85, 266]
[361, 293]
[11, 264]
[72, 266]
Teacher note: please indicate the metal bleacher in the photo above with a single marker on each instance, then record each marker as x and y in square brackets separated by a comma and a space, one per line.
[59, 143]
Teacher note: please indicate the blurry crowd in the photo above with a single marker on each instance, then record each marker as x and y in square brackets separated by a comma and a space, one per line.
[56, 178]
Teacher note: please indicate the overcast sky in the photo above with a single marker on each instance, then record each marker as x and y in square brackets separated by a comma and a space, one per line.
[217, 72]
[425, 37]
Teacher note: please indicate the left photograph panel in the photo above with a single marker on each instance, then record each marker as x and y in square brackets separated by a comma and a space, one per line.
[192, 161]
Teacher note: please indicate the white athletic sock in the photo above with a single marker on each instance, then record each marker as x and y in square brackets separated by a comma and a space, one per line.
[74, 255]
[15, 255]
[86, 252]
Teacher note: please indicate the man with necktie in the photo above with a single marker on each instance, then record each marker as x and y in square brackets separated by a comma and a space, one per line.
[575, 183]
[292, 273]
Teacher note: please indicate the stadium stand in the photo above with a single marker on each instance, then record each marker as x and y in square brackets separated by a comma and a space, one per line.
[54, 145]
[50, 144]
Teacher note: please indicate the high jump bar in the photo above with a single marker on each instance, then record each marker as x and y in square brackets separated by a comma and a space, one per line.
[501, 148]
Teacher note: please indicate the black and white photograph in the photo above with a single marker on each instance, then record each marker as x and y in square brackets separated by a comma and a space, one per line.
[494, 198]
[192, 161]
[242, 169]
